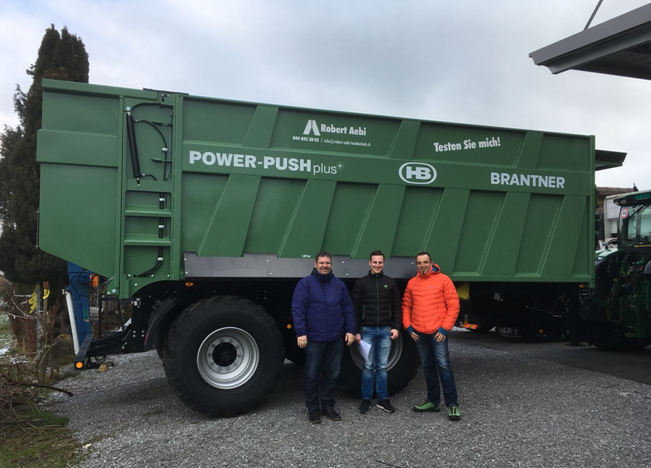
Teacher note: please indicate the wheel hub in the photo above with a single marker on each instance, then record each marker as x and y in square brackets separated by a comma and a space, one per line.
[225, 355]
[228, 358]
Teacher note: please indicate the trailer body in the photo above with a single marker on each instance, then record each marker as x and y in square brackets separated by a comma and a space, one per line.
[179, 200]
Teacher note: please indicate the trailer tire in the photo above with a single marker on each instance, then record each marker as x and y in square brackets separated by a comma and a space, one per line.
[223, 356]
[623, 345]
[401, 369]
[161, 333]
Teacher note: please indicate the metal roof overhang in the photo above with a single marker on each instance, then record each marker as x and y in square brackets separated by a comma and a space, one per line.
[620, 46]
[608, 159]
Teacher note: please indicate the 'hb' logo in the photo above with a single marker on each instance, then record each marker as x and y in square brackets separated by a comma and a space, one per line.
[417, 173]
[311, 126]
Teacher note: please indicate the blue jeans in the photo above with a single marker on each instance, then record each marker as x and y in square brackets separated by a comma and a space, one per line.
[380, 340]
[326, 354]
[435, 356]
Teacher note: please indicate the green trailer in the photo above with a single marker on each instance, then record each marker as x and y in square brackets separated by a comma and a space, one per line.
[204, 213]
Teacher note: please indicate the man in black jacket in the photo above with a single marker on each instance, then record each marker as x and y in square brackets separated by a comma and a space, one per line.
[378, 317]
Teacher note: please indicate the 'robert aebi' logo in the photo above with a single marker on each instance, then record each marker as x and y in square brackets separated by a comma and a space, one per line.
[418, 173]
[311, 127]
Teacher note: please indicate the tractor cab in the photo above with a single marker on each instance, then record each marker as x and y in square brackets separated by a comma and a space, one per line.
[635, 221]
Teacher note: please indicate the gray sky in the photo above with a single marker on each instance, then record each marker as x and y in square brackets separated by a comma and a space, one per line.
[461, 61]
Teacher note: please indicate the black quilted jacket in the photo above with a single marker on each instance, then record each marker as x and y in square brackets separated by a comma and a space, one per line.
[377, 302]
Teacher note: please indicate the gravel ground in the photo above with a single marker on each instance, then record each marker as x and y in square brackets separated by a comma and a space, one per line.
[516, 412]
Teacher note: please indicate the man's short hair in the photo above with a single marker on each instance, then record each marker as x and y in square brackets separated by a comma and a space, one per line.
[424, 253]
[376, 253]
[323, 253]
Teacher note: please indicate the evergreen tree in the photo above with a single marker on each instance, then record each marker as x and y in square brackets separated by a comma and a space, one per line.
[61, 56]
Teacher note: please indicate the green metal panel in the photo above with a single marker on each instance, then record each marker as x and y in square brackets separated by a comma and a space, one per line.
[490, 204]
[261, 128]
[77, 222]
[226, 234]
[272, 213]
[71, 112]
[227, 123]
[176, 267]
[563, 243]
[527, 157]
[541, 222]
[444, 232]
[405, 141]
[304, 236]
[87, 149]
[201, 194]
[480, 221]
[381, 221]
[347, 214]
[506, 237]
[562, 152]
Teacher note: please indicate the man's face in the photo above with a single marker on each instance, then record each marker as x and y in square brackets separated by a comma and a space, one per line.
[323, 265]
[423, 263]
[376, 263]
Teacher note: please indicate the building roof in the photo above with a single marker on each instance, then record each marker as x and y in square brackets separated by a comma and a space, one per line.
[608, 191]
[620, 46]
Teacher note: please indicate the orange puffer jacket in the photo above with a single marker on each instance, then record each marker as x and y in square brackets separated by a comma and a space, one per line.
[430, 302]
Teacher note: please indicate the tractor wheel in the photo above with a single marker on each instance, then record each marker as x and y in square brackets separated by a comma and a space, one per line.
[223, 356]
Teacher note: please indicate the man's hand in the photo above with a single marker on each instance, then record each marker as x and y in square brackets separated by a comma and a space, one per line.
[439, 337]
[349, 339]
[394, 333]
[414, 336]
[358, 337]
[301, 341]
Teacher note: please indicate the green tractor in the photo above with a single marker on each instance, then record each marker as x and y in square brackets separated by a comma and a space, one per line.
[616, 313]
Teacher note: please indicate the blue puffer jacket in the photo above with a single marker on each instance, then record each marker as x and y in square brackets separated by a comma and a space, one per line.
[322, 308]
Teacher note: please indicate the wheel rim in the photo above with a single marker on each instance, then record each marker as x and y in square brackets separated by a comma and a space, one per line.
[228, 358]
[394, 354]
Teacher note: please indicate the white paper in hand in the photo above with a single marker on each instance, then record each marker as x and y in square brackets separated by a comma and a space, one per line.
[364, 349]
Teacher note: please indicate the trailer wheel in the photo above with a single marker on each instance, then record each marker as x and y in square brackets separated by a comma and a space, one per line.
[401, 368]
[223, 356]
[163, 329]
[622, 345]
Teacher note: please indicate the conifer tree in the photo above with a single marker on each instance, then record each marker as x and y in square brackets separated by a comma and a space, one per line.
[61, 56]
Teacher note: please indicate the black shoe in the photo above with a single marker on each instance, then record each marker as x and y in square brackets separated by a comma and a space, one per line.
[331, 414]
[315, 417]
[364, 406]
[385, 405]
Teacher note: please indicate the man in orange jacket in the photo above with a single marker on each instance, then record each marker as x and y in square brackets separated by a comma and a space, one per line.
[430, 308]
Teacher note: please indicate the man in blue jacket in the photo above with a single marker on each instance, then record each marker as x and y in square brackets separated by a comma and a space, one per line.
[322, 312]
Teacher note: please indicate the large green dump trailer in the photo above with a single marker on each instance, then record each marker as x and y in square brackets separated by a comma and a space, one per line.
[204, 214]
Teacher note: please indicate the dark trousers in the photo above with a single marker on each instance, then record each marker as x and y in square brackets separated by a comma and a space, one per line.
[318, 354]
[435, 359]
